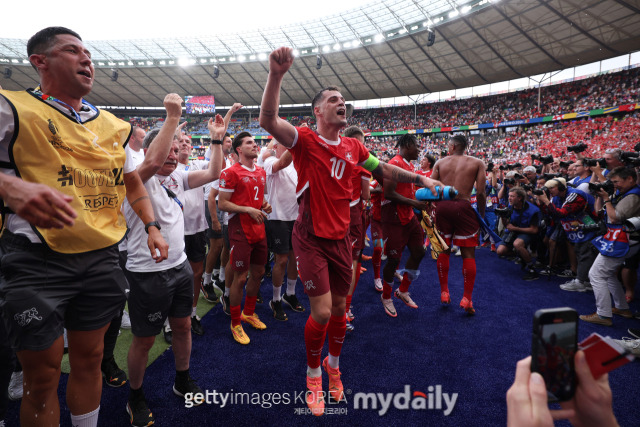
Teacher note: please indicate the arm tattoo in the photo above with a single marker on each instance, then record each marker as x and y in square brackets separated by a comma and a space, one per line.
[401, 175]
[269, 113]
[138, 200]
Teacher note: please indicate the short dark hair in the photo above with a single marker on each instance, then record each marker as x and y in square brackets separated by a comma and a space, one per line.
[318, 97]
[520, 192]
[623, 172]
[406, 140]
[460, 140]
[431, 160]
[237, 141]
[42, 41]
[352, 131]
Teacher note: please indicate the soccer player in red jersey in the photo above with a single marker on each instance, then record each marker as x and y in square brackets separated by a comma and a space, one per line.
[401, 228]
[324, 162]
[242, 196]
[456, 219]
[375, 189]
[357, 229]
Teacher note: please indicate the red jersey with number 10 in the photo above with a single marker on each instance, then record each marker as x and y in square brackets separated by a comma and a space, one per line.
[325, 169]
[248, 190]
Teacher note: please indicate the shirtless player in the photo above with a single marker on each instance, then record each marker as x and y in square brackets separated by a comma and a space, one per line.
[455, 219]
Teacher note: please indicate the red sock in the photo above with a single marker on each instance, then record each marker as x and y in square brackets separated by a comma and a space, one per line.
[250, 305]
[336, 330]
[404, 285]
[235, 315]
[376, 261]
[348, 306]
[314, 334]
[386, 290]
[469, 276]
[443, 271]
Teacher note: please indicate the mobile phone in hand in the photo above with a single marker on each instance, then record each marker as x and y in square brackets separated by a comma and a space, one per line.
[553, 348]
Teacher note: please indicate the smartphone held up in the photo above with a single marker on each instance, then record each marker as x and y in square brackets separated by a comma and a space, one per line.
[553, 348]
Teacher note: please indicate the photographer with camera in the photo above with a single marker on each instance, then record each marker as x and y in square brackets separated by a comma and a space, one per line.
[612, 159]
[582, 172]
[523, 219]
[617, 245]
[575, 211]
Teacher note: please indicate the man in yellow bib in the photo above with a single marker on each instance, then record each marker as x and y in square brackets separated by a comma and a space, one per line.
[62, 185]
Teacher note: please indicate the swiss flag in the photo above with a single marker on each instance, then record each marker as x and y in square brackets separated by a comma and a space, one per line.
[629, 107]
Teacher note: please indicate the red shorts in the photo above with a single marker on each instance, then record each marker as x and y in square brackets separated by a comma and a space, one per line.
[324, 265]
[242, 253]
[376, 230]
[456, 220]
[398, 236]
[356, 231]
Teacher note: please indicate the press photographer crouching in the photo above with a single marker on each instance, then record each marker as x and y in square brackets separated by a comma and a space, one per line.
[622, 241]
[522, 220]
[574, 209]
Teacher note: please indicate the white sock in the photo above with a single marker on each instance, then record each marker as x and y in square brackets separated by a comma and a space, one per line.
[193, 311]
[314, 372]
[207, 278]
[334, 361]
[226, 292]
[276, 292]
[86, 420]
[166, 322]
[216, 272]
[221, 277]
[291, 286]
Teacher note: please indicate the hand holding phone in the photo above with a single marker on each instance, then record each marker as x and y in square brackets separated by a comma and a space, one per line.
[553, 348]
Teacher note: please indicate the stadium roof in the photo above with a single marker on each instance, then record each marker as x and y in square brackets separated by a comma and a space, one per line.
[378, 51]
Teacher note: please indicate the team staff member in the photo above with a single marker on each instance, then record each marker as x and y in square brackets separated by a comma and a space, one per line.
[401, 228]
[456, 219]
[163, 290]
[242, 196]
[324, 162]
[63, 183]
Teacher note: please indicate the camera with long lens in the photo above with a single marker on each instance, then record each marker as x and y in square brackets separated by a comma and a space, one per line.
[528, 187]
[540, 191]
[607, 186]
[509, 181]
[550, 176]
[578, 148]
[490, 167]
[565, 165]
[633, 162]
[545, 160]
[503, 212]
[595, 162]
[502, 167]
[637, 147]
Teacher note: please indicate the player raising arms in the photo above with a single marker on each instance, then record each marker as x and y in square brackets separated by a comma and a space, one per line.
[324, 162]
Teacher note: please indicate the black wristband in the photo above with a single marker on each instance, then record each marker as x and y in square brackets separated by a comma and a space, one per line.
[155, 224]
[216, 142]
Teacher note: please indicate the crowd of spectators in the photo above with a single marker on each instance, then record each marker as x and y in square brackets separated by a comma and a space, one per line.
[512, 144]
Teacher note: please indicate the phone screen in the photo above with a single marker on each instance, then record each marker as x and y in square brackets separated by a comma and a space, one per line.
[554, 349]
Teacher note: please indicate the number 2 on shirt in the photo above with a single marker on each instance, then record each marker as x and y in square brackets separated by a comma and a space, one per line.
[337, 167]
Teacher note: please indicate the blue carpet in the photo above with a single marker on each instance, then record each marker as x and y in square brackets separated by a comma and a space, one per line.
[419, 350]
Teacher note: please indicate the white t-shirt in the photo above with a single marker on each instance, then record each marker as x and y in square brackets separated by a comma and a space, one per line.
[282, 191]
[136, 156]
[194, 219]
[168, 213]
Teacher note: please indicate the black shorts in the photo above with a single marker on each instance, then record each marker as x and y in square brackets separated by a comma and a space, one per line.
[195, 246]
[211, 233]
[42, 292]
[280, 235]
[159, 294]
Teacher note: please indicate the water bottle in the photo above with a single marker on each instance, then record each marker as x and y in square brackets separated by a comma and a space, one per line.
[443, 193]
